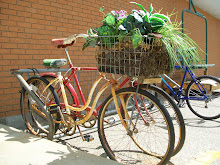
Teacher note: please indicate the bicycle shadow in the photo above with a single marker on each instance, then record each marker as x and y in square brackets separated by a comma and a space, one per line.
[30, 149]
[77, 143]
[198, 122]
[78, 157]
[12, 134]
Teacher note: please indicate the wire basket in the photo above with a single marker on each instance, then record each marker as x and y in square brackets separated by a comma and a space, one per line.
[149, 59]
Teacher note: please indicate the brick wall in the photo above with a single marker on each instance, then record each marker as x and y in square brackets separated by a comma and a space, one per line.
[27, 27]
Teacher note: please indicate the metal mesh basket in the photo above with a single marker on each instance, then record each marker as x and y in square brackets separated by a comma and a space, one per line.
[121, 58]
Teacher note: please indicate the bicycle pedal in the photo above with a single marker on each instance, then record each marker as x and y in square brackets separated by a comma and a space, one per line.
[88, 138]
[53, 108]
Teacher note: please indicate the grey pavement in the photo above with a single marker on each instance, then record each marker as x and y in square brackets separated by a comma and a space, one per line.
[20, 148]
[202, 146]
[202, 143]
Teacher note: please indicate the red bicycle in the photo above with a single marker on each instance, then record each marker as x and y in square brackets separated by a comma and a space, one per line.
[144, 111]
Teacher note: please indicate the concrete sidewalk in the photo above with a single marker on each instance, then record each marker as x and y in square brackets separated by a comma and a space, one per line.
[20, 148]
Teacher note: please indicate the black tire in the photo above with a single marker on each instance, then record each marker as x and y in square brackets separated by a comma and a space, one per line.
[35, 119]
[207, 109]
[129, 148]
[175, 114]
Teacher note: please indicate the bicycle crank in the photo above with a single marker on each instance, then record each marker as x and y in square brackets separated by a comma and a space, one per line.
[68, 126]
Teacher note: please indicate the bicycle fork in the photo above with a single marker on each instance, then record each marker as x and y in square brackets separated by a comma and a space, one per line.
[118, 110]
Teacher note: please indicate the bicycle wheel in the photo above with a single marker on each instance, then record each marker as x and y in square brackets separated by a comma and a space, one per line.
[57, 88]
[35, 119]
[146, 143]
[175, 114]
[204, 97]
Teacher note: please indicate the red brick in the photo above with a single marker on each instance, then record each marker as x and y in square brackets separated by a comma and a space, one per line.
[23, 3]
[43, 20]
[24, 24]
[63, 2]
[63, 11]
[8, 45]
[32, 51]
[37, 26]
[51, 8]
[4, 5]
[44, 2]
[16, 7]
[55, 4]
[38, 16]
[17, 62]
[25, 57]
[37, 36]
[4, 62]
[31, 20]
[5, 51]
[30, 10]
[16, 29]
[4, 17]
[8, 23]
[8, 11]
[44, 32]
[12, 113]
[50, 28]
[44, 12]
[17, 51]
[30, 30]
[2, 114]
[23, 35]
[37, 6]
[24, 14]
[16, 18]
[10, 57]
[50, 18]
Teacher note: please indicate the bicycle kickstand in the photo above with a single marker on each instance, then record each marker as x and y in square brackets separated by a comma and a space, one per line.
[181, 103]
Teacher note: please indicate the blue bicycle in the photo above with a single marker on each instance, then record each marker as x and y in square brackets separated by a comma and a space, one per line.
[202, 95]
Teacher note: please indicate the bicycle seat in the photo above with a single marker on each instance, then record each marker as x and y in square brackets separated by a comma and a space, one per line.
[59, 43]
[54, 63]
[64, 42]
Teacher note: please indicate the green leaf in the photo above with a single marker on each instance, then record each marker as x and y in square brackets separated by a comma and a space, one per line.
[137, 17]
[122, 34]
[110, 20]
[128, 23]
[130, 18]
[139, 6]
[119, 23]
[136, 38]
[147, 28]
[151, 9]
[102, 8]
[162, 16]
[89, 42]
[156, 19]
[146, 17]
[142, 13]
[156, 25]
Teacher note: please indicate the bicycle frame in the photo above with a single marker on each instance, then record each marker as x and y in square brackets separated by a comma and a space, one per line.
[74, 76]
[179, 93]
[85, 106]
[68, 107]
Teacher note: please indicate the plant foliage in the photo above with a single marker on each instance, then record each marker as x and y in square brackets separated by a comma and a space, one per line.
[141, 22]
